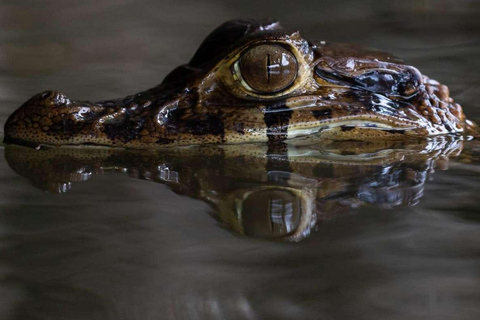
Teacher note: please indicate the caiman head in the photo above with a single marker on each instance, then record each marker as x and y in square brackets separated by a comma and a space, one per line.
[252, 81]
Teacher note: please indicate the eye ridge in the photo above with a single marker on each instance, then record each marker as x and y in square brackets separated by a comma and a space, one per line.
[268, 68]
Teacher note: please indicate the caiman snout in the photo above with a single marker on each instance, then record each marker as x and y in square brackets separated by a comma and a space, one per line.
[36, 116]
[51, 118]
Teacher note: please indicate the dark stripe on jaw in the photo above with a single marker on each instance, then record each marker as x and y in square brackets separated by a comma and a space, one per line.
[395, 131]
[347, 128]
[325, 113]
[277, 118]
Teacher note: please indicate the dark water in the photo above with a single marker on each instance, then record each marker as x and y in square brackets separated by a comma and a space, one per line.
[388, 232]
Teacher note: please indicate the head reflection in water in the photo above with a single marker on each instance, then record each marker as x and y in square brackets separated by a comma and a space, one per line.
[277, 194]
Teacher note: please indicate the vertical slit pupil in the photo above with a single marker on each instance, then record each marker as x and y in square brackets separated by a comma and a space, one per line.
[268, 67]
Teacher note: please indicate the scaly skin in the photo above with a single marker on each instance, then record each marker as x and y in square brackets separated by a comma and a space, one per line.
[339, 92]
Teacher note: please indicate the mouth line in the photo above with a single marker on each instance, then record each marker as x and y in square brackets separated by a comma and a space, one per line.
[354, 122]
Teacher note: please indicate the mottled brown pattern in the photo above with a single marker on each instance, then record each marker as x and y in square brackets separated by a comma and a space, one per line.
[340, 92]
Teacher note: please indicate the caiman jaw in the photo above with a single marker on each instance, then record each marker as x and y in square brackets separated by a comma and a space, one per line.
[358, 128]
[342, 113]
[367, 117]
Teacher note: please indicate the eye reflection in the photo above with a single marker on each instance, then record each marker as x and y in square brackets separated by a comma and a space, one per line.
[271, 213]
[268, 68]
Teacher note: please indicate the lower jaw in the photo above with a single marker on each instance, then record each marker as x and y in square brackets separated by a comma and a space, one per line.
[346, 129]
[358, 130]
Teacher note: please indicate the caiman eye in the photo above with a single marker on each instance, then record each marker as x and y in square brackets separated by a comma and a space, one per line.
[268, 68]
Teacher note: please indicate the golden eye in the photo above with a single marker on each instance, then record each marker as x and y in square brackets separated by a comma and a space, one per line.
[268, 68]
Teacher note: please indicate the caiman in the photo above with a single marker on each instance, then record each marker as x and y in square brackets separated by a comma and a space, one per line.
[253, 81]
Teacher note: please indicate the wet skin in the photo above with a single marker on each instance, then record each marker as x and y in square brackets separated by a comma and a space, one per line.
[252, 81]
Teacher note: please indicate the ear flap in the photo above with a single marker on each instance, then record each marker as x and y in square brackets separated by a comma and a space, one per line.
[222, 38]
